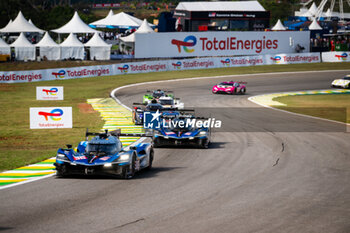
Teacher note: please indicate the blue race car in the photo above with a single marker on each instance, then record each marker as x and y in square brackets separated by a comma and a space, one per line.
[104, 154]
[137, 113]
[177, 129]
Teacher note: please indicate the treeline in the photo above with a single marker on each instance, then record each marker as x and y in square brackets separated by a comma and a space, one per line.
[45, 14]
[51, 14]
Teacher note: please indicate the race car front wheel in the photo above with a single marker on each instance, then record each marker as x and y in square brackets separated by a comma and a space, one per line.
[151, 153]
[61, 171]
[242, 91]
[129, 171]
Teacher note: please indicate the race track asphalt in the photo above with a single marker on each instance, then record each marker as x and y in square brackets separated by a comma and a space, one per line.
[269, 171]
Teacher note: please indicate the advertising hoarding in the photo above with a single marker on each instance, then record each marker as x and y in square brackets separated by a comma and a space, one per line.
[336, 56]
[200, 44]
[49, 93]
[51, 118]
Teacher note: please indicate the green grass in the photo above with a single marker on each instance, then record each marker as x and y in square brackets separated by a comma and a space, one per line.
[20, 146]
[330, 106]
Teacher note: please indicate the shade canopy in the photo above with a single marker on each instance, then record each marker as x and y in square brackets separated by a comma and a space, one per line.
[22, 42]
[99, 50]
[75, 25]
[97, 41]
[24, 50]
[278, 26]
[144, 28]
[102, 23]
[71, 41]
[121, 20]
[47, 41]
[4, 48]
[20, 24]
[315, 26]
[72, 48]
[313, 9]
[48, 48]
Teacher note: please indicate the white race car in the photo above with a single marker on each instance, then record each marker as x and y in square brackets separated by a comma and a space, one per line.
[170, 102]
[342, 83]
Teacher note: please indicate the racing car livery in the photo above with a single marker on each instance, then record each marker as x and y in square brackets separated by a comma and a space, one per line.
[104, 154]
[178, 130]
[230, 87]
[170, 102]
[147, 98]
[342, 83]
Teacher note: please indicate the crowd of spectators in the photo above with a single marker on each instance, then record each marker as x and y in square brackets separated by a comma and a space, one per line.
[339, 43]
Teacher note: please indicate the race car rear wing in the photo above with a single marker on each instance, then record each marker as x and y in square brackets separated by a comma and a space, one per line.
[160, 90]
[116, 133]
[140, 104]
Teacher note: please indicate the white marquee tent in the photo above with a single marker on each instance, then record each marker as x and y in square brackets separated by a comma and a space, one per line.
[72, 48]
[23, 48]
[99, 50]
[20, 24]
[144, 28]
[314, 25]
[75, 25]
[278, 26]
[7, 26]
[102, 23]
[122, 20]
[49, 48]
[4, 48]
[129, 41]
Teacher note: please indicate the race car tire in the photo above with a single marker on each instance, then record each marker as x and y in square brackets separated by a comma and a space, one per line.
[204, 144]
[129, 172]
[234, 91]
[61, 172]
[242, 91]
[151, 155]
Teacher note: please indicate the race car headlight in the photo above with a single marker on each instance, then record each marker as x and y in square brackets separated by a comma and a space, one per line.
[124, 157]
[61, 156]
[202, 133]
[107, 165]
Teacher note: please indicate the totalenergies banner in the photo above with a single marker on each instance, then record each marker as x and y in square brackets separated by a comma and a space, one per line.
[140, 67]
[190, 64]
[336, 57]
[295, 58]
[79, 72]
[200, 44]
[155, 66]
[51, 118]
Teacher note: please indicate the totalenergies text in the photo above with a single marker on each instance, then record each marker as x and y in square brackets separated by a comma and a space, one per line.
[231, 43]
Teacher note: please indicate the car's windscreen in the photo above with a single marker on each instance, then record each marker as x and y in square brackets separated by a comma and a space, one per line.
[346, 78]
[158, 94]
[166, 102]
[106, 148]
[226, 84]
[153, 107]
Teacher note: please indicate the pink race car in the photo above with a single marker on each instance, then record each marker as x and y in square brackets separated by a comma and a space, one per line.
[230, 87]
